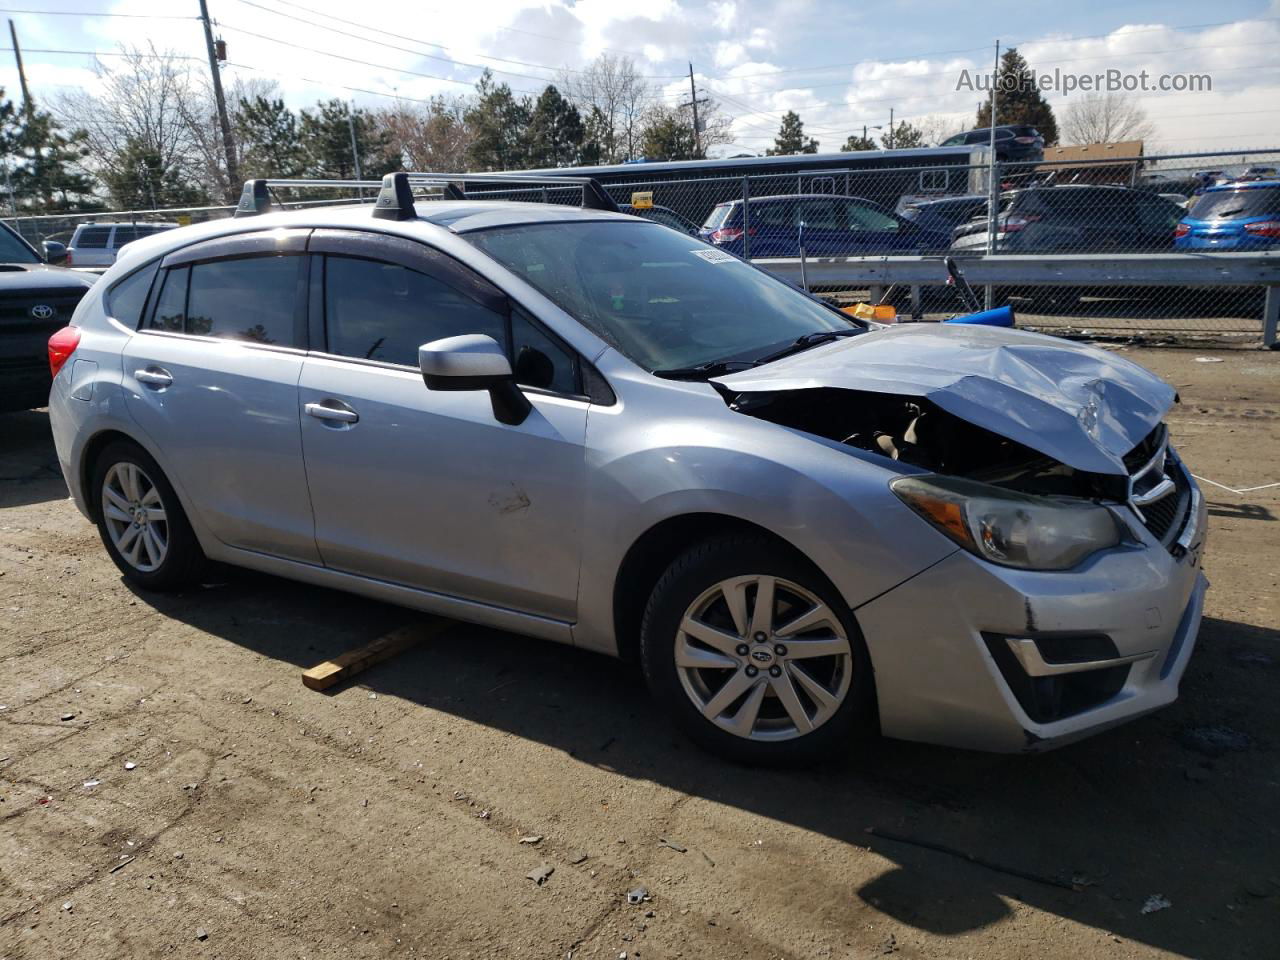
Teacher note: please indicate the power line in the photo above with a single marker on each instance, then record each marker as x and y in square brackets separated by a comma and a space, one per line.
[418, 40]
[86, 13]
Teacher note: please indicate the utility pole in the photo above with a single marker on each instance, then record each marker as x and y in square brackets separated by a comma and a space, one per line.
[891, 137]
[27, 106]
[233, 175]
[693, 102]
[355, 150]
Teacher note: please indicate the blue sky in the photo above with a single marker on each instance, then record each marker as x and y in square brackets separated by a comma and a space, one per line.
[839, 64]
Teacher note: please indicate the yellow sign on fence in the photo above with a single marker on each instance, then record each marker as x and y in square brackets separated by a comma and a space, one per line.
[642, 199]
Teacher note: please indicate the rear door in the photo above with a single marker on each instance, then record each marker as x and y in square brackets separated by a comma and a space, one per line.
[426, 488]
[775, 226]
[212, 380]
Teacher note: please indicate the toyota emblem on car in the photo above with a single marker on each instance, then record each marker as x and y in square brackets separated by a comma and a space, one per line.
[42, 311]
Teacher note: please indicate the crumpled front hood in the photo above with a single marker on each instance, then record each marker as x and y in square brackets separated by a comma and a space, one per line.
[1080, 405]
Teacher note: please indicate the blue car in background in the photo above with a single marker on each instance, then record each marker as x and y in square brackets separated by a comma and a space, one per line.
[833, 227]
[1232, 216]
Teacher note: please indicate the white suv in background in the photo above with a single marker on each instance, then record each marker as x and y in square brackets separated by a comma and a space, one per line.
[96, 244]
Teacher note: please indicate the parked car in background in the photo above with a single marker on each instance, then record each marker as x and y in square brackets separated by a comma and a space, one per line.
[36, 300]
[96, 244]
[834, 226]
[1075, 218]
[1181, 199]
[1015, 143]
[945, 214]
[663, 215]
[1260, 173]
[1233, 216]
[574, 425]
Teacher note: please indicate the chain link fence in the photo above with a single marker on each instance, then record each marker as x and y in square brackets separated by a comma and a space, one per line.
[1105, 205]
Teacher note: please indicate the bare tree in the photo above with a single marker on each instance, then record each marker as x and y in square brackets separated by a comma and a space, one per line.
[201, 114]
[139, 130]
[935, 127]
[612, 98]
[431, 136]
[1105, 118]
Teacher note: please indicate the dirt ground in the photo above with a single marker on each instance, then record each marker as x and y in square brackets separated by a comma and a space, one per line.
[169, 787]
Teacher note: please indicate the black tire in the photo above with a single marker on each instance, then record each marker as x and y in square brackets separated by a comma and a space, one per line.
[687, 579]
[184, 562]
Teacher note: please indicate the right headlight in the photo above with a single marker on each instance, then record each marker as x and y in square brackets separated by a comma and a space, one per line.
[1009, 528]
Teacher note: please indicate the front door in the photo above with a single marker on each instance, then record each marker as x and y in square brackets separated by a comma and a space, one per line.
[427, 488]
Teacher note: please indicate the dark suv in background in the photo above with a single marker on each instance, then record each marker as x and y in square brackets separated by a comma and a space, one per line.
[1014, 143]
[1075, 218]
[36, 300]
[833, 226]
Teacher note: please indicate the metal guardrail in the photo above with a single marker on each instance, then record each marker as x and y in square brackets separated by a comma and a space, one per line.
[1101, 271]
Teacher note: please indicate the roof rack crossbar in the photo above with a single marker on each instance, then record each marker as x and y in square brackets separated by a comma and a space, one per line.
[256, 197]
[395, 199]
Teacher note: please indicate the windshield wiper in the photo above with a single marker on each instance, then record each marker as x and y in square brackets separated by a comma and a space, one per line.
[704, 371]
[807, 341]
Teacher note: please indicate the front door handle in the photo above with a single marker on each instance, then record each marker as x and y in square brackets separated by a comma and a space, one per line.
[322, 411]
[154, 377]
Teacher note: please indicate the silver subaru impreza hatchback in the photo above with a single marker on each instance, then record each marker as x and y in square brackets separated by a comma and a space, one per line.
[585, 427]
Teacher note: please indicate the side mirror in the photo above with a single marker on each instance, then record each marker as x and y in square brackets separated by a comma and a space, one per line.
[474, 362]
[54, 252]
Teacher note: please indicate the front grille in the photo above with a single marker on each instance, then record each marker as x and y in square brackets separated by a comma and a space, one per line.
[15, 308]
[1151, 464]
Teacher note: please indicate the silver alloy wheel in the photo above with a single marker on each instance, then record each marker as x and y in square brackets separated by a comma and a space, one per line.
[763, 658]
[135, 516]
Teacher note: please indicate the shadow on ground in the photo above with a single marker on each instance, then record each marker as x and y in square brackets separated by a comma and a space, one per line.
[1180, 803]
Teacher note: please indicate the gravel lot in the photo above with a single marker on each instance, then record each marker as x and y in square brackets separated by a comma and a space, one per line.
[169, 787]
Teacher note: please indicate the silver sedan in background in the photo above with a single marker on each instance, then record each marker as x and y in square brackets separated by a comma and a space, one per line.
[589, 428]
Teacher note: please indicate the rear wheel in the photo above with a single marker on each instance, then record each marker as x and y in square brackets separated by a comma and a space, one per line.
[752, 651]
[141, 522]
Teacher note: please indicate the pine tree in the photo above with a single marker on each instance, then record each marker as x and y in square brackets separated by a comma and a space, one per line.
[326, 139]
[270, 140]
[903, 136]
[791, 139]
[858, 141]
[555, 132]
[1018, 99]
[668, 135]
[500, 127]
[42, 162]
[140, 179]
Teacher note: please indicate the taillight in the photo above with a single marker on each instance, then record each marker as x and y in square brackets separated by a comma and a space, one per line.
[61, 346]
[726, 234]
[1025, 140]
[1181, 230]
[1263, 228]
[1012, 224]
[67, 262]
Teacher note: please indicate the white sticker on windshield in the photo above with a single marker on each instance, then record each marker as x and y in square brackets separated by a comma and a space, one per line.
[714, 256]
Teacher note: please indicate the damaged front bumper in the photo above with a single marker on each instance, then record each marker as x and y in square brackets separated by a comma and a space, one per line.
[973, 655]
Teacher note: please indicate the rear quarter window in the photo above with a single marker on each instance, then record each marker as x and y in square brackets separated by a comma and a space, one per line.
[717, 216]
[92, 238]
[126, 299]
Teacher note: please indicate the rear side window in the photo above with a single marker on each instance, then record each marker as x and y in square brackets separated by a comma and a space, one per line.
[862, 217]
[383, 311]
[124, 235]
[126, 299]
[1236, 204]
[93, 238]
[171, 305]
[716, 217]
[253, 298]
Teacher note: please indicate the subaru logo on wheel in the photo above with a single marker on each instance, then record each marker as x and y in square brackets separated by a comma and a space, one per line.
[42, 311]
[762, 655]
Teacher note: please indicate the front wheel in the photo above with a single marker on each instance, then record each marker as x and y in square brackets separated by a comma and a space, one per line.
[755, 655]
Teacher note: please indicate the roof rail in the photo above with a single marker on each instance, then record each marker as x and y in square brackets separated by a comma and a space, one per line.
[395, 199]
[256, 198]
[395, 190]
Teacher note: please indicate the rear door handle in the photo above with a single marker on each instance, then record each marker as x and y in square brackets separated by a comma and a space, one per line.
[154, 377]
[322, 411]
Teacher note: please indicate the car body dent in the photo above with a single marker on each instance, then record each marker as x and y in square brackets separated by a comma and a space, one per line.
[1080, 405]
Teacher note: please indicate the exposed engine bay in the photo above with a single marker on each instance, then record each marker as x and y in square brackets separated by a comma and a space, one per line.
[915, 431]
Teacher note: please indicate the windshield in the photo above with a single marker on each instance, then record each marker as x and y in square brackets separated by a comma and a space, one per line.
[1231, 204]
[663, 300]
[14, 250]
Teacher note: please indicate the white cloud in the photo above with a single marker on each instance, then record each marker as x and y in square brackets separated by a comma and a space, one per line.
[729, 53]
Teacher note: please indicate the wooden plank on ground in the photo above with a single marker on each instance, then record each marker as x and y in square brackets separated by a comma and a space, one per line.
[347, 665]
